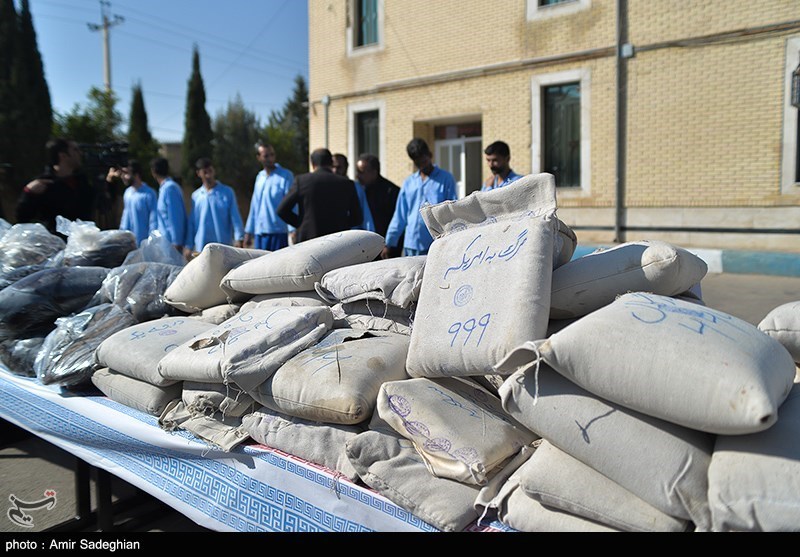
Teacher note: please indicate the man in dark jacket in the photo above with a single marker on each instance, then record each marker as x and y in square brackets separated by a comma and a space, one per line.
[381, 194]
[326, 203]
[63, 189]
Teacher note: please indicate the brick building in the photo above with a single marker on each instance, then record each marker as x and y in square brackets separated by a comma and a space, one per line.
[660, 120]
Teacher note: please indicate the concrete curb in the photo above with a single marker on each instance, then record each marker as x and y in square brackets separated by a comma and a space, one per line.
[733, 261]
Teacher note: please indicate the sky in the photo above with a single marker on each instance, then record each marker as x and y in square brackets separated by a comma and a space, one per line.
[250, 48]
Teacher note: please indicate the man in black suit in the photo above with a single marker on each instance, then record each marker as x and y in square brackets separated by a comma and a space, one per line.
[326, 203]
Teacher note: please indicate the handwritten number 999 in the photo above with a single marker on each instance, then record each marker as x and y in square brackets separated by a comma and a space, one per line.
[469, 327]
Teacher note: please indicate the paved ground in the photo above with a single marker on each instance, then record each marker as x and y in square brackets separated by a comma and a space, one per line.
[25, 462]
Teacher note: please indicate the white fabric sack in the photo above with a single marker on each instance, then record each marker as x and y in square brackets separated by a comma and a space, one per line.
[218, 431]
[595, 280]
[197, 285]
[390, 465]
[299, 266]
[674, 360]
[136, 351]
[337, 380]
[395, 281]
[754, 480]
[247, 348]
[660, 462]
[203, 399]
[285, 299]
[503, 499]
[458, 427]
[486, 290]
[372, 315]
[315, 442]
[217, 314]
[559, 481]
[532, 195]
[783, 324]
[134, 393]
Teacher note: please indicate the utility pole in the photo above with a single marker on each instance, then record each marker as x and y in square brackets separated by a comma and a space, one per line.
[105, 26]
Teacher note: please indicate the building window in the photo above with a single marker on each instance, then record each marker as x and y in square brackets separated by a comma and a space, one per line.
[790, 161]
[562, 133]
[366, 22]
[561, 129]
[365, 27]
[367, 129]
[545, 9]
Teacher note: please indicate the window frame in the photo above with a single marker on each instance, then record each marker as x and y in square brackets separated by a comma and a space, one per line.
[356, 108]
[790, 159]
[351, 31]
[568, 7]
[539, 82]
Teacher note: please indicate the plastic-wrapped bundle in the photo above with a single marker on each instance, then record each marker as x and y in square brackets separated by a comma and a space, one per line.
[155, 248]
[139, 289]
[32, 304]
[87, 245]
[13, 275]
[67, 354]
[27, 244]
[19, 355]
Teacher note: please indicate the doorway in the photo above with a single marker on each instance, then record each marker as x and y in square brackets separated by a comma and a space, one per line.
[457, 149]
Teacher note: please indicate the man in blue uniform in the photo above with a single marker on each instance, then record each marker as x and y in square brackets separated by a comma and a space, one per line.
[214, 217]
[170, 209]
[498, 155]
[138, 201]
[264, 227]
[429, 184]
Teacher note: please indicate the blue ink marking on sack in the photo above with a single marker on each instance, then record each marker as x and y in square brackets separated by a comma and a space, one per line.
[487, 254]
[463, 295]
[469, 326]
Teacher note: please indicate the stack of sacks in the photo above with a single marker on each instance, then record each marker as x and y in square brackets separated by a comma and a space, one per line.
[378, 295]
[248, 348]
[285, 299]
[487, 280]
[662, 376]
[298, 267]
[128, 362]
[197, 287]
[333, 384]
[212, 412]
[433, 444]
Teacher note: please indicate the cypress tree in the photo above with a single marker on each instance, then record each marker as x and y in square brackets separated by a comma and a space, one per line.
[197, 135]
[141, 145]
[295, 116]
[9, 113]
[36, 115]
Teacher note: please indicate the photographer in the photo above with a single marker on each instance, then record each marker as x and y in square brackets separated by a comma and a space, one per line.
[63, 189]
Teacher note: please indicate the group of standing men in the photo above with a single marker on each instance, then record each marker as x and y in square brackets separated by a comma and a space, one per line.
[284, 208]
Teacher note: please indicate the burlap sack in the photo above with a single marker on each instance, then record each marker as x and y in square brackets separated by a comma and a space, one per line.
[754, 480]
[322, 444]
[674, 360]
[197, 287]
[465, 322]
[783, 324]
[136, 351]
[134, 393]
[532, 195]
[204, 399]
[249, 347]
[395, 281]
[559, 481]
[660, 462]
[390, 465]
[595, 280]
[372, 315]
[299, 266]
[217, 314]
[217, 431]
[459, 428]
[285, 299]
[337, 380]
